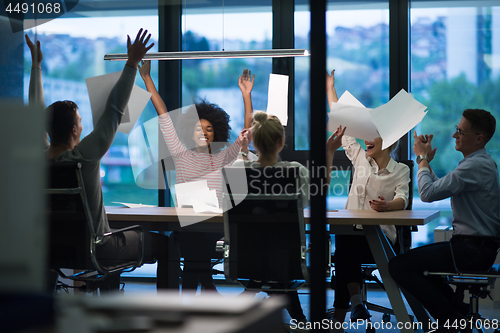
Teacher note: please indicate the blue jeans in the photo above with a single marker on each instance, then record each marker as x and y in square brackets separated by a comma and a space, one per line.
[432, 291]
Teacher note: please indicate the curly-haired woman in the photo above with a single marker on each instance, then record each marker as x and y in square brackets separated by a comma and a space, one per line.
[196, 157]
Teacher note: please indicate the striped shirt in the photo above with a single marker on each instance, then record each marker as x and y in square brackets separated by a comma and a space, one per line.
[191, 165]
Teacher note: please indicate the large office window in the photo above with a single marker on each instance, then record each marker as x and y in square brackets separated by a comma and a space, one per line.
[208, 27]
[73, 50]
[454, 51]
[358, 50]
[455, 65]
[234, 28]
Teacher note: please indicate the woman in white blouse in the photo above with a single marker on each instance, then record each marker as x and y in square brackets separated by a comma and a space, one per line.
[379, 183]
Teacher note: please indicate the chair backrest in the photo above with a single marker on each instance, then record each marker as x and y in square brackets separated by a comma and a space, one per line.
[264, 233]
[71, 231]
[404, 232]
[410, 165]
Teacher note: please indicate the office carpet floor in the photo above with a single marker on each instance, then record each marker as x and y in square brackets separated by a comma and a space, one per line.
[377, 296]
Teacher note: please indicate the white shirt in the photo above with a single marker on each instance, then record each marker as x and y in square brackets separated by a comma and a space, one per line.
[369, 182]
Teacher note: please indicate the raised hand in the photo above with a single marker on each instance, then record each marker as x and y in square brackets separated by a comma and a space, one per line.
[330, 80]
[380, 205]
[335, 140]
[36, 52]
[245, 82]
[245, 138]
[138, 49]
[331, 94]
[145, 69]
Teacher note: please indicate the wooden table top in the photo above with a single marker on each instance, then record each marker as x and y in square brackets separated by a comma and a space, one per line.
[339, 217]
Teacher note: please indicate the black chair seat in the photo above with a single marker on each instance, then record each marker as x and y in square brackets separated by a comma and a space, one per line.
[73, 243]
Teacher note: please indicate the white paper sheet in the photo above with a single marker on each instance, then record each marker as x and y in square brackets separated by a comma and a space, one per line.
[134, 205]
[277, 97]
[398, 116]
[348, 99]
[390, 121]
[99, 88]
[197, 195]
[184, 191]
[354, 116]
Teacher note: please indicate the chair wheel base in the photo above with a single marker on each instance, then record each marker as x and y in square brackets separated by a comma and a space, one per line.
[370, 328]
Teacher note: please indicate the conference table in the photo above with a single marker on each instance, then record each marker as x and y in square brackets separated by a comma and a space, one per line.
[338, 221]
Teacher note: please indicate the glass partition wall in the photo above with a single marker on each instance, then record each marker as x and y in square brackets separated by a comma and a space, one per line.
[454, 52]
[453, 48]
[73, 48]
[358, 50]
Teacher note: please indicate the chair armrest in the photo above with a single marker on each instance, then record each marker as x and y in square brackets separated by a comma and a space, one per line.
[132, 227]
[493, 238]
[140, 230]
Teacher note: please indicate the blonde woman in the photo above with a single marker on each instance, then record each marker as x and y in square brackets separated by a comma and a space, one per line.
[268, 137]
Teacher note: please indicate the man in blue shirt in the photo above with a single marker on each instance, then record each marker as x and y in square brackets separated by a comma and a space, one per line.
[475, 199]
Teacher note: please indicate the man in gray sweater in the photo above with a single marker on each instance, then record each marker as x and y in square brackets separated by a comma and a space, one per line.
[65, 128]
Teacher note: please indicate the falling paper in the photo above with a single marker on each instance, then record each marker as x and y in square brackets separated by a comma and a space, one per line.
[398, 116]
[390, 121]
[277, 97]
[99, 88]
[348, 99]
[352, 115]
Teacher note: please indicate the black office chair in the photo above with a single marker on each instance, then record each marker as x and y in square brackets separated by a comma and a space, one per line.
[73, 243]
[403, 245]
[264, 235]
[477, 283]
[264, 243]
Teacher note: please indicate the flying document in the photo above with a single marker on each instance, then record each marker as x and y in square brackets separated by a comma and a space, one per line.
[99, 88]
[277, 97]
[351, 113]
[398, 116]
[389, 121]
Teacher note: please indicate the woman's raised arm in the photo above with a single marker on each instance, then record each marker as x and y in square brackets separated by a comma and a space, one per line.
[245, 83]
[145, 72]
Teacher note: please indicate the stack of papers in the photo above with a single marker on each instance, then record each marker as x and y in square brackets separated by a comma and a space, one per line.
[197, 195]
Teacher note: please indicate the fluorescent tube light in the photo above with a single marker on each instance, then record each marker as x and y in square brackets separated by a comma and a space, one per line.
[274, 53]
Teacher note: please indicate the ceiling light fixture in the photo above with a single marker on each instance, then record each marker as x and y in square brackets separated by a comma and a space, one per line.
[274, 53]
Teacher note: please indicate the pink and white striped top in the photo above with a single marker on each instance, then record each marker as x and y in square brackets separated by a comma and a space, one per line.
[191, 165]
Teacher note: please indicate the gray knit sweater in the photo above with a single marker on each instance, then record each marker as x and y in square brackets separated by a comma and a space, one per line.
[91, 148]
